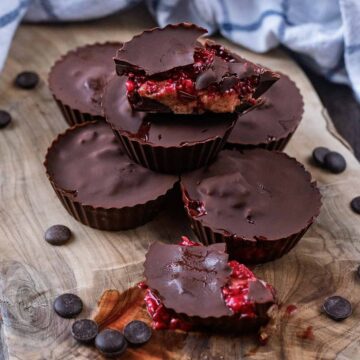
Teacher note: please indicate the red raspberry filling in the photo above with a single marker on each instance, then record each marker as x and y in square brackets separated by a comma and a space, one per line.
[177, 86]
[235, 294]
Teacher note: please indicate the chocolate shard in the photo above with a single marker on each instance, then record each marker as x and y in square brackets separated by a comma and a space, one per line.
[227, 73]
[213, 74]
[159, 50]
[259, 293]
[189, 279]
[267, 79]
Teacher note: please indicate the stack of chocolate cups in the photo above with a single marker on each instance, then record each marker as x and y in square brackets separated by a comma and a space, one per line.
[170, 113]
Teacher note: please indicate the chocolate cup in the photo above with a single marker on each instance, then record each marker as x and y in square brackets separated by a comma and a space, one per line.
[73, 115]
[276, 145]
[246, 250]
[279, 142]
[172, 160]
[168, 158]
[102, 218]
[200, 282]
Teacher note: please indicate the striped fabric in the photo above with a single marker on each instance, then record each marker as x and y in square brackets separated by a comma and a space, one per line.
[323, 33]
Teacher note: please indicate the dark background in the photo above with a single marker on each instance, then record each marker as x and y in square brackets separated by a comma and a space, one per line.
[342, 107]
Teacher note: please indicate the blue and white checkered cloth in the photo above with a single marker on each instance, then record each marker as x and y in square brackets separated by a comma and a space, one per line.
[324, 33]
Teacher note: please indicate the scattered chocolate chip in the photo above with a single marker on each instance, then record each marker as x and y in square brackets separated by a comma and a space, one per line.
[68, 305]
[334, 162]
[355, 204]
[57, 235]
[318, 155]
[27, 80]
[137, 332]
[337, 308]
[84, 330]
[5, 119]
[111, 342]
[358, 271]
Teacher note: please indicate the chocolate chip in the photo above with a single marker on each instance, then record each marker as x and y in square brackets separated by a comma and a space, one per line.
[318, 155]
[68, 305]
[355, 204]
[358, 271]
[337, 308]
[5, 119]
[137, 332]
[111, 342]
[27, 80]
[334, 162]
[57, 235]
[84, 330]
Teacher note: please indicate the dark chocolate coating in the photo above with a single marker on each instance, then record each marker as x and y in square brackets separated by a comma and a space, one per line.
[254, 194]
[277, 117]
[88, 163]
[79, 77]
[159, 49]
[160, 129]
[189, 279]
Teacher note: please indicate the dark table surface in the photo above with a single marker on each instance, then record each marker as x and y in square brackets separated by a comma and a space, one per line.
[342, 107]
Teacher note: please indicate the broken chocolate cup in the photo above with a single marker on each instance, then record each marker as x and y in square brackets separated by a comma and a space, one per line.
[195, 285]
[259, 202]
[184, 76]
[165, 143]
[98, 184]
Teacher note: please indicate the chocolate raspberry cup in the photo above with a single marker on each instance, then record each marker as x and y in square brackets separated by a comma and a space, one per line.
[259, 202]
[183, 76]
[166, 143]
[98, 184]
[271, 124]
[78, 78]
[193, 287]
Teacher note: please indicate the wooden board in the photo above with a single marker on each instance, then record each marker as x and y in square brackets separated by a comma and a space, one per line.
[32, 273]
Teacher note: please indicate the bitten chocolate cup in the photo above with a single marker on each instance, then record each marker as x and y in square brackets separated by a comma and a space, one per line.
[183, 76]
[98, 184]
[272, 124]
[210, 297]
[78, 78]
[259, 202]
[165, 143]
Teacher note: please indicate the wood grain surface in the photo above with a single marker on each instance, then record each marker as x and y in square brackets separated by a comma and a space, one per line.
[32, 273]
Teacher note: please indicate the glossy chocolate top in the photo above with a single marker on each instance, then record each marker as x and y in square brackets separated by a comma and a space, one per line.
[79, 77]
[277, 117]
[160, 129]
[253, 194]
[87, 162]
[189, 279]
[158, 50]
